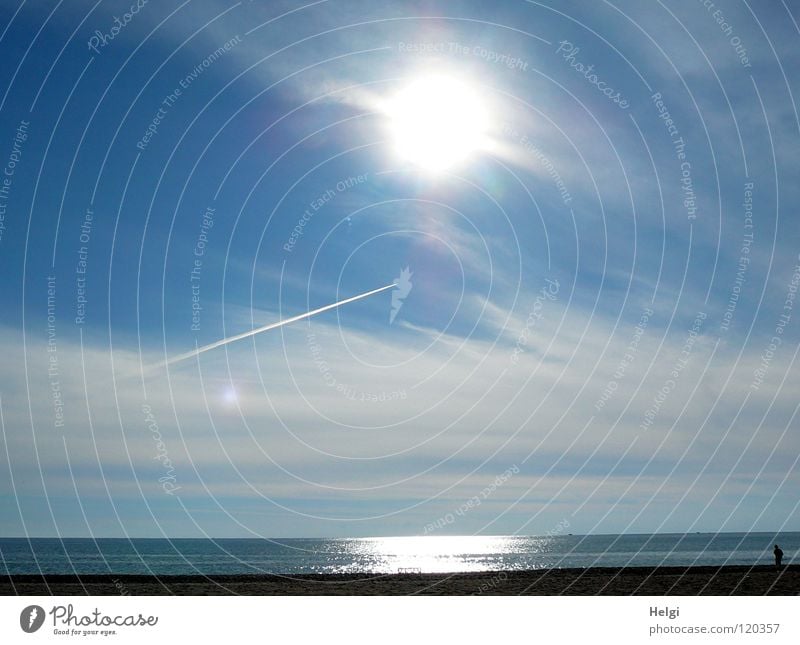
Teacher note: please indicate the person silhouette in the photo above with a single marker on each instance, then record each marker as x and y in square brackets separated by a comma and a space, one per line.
[778, 556]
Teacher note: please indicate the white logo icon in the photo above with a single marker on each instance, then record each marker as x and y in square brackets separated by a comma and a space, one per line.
[400, 293]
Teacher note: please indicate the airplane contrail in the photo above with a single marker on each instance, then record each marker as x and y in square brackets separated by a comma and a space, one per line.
[275, 325]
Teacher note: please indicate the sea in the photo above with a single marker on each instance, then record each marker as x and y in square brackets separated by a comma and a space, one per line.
[427, 554]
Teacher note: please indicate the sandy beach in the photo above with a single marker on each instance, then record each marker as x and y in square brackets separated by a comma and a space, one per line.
[700, 580]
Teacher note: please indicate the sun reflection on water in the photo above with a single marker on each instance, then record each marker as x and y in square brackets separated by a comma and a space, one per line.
[440, 554]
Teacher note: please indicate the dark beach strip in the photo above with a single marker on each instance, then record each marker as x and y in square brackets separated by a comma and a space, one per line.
[619, 581]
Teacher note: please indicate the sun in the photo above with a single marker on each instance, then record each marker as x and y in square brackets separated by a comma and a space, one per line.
[437, 121]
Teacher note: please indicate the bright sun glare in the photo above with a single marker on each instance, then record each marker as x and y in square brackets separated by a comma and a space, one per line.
[437, 121]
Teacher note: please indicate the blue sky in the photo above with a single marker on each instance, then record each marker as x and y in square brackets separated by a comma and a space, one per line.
[559, 262]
